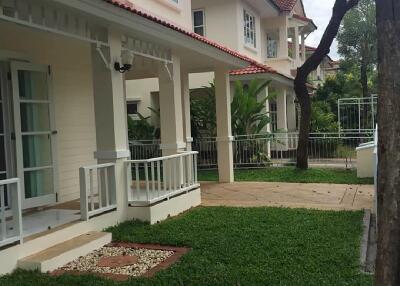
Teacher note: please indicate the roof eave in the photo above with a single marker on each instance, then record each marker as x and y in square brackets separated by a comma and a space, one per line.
[119, 16]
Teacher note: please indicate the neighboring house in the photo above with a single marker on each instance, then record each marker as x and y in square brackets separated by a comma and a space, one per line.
[327, 68]
[63, 128]
[259, 29]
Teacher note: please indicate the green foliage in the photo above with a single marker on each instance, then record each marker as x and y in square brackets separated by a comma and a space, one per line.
[357, 39]
[322, 119]
[292, 175]
[141, 129]
[344, 85]
[248, 115]
[357, 36]
[202, 111]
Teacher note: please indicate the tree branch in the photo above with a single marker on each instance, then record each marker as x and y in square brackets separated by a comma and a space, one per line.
[339, 10]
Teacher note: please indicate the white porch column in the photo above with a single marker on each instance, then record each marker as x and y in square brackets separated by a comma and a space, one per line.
[267, 129]
[171, 108]
[262, 96]
[187, 130]
[283, 51]
[281, 104]
[110, 118]
[291, 113]
[296, 46]
[224, 129]
[303, 47]
[282, 123]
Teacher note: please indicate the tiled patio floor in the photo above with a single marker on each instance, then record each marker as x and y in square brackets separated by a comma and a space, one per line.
[314, 196]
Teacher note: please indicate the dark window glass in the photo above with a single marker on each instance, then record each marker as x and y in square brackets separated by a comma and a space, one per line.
[198, 18]
[132, 108]
[199, 31]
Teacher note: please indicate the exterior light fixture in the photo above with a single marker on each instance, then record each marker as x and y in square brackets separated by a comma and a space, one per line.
[127, 58]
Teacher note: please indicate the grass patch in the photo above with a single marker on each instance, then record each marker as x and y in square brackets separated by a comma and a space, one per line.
[292, 175]
[243, 246]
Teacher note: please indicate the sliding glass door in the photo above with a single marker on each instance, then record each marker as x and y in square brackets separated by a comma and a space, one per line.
[34, 135]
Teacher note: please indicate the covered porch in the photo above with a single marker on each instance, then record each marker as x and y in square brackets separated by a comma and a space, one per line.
[63, 136]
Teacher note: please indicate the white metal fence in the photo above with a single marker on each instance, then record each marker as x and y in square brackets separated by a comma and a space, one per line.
[98, 190]
[161, 178]
[357, 114]
[277, 149]
[10, 212]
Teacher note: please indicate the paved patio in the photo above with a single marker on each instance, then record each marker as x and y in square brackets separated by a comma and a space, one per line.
[292, 195]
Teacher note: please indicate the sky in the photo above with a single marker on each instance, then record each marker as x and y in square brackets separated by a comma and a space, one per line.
[320, 11]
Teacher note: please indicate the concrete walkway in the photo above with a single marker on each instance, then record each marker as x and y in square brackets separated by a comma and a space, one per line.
[313, 196]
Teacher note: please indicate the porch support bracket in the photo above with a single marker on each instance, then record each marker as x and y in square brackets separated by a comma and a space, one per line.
[101, 54]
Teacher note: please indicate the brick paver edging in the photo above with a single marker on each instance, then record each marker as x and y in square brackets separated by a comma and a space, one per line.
[178, 253]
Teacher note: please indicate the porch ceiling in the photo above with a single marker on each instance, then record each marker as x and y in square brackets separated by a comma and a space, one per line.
[197, 53]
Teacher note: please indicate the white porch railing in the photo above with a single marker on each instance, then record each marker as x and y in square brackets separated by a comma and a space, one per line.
[98, 190]
[159, 179]
[273, 149]
[10, 212]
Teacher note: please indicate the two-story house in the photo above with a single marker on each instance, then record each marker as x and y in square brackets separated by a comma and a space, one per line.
[271, 32]
[65, 168]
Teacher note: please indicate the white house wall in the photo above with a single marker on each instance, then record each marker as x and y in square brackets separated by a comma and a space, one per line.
[221, 20]
[255, 53]
[70, 62]
[140, 91]
[179, 13]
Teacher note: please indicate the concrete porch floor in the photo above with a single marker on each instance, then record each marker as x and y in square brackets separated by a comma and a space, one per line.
[291, 195]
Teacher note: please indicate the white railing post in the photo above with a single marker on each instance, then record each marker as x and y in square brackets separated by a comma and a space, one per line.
[103, 193]
[10, 212]
[178, 175]
[17, 210]
[84, 194]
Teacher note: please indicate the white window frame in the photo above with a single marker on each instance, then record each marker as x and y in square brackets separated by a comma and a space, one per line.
[249, 29]
[173, 4]
[204, 21]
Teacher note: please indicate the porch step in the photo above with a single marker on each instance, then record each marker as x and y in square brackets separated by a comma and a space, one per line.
[65, 252]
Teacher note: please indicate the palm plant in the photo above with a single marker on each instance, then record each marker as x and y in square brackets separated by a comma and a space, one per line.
[248, 111]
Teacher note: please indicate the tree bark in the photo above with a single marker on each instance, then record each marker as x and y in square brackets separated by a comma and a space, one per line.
[388, 255]
[300, 83]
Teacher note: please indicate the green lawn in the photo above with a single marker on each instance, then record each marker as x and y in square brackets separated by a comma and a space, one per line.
[292, 175]
[243, 246]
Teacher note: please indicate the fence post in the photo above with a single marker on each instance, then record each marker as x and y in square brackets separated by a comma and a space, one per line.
[83, 193]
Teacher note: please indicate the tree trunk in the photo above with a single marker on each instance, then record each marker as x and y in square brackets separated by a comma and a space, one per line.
[305, 119]
[388, 256]
[300, 83]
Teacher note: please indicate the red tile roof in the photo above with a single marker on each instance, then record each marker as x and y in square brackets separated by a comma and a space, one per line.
[285, 5]
[257, 69]
[254, 68]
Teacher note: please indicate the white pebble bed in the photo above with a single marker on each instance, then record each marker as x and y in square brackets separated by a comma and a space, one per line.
[147, 259]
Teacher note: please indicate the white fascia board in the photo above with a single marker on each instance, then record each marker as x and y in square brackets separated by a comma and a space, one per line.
[138, 23]
[267, 76]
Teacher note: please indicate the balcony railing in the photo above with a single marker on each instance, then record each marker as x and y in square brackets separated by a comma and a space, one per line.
[10, 212]
[98, 190]
[158, 179]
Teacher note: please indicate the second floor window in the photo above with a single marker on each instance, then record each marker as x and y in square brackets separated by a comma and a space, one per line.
[199, 22]
[272, 45]
[249, 29]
